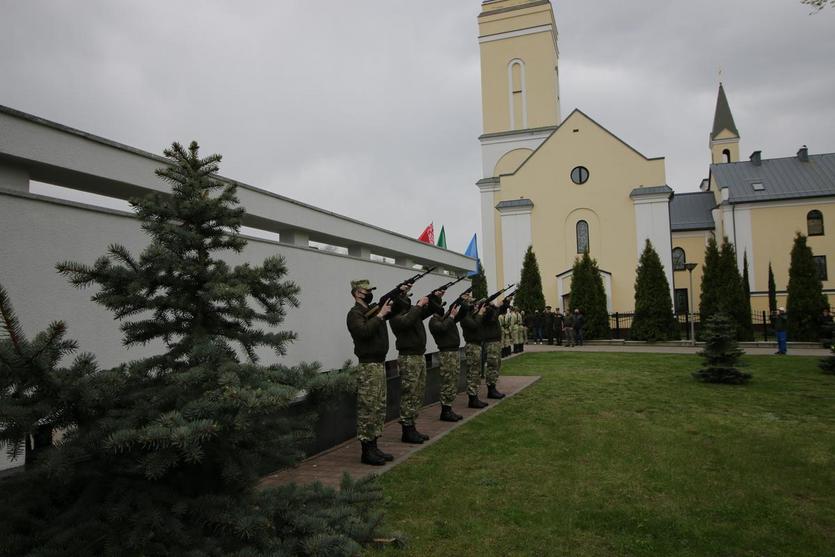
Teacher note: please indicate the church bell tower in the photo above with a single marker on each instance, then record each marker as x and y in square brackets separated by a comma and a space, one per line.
[520, 96]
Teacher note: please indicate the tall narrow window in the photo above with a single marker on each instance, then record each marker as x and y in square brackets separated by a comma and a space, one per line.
[517, 93]
[820, 262]
[814, 223]
[679, 259]
[582, 236]
[726, 155]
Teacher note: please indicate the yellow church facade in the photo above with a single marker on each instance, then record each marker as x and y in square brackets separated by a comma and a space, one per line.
[565, 186]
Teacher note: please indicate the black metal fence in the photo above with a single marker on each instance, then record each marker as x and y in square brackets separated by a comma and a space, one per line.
[621, 322]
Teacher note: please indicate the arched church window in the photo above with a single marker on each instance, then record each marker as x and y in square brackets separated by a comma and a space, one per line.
[726, 155]
[582, 236]
[517, 94]
[679, 259]
[814, 223]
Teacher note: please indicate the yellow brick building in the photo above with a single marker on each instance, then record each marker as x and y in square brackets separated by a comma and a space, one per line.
[568, 185]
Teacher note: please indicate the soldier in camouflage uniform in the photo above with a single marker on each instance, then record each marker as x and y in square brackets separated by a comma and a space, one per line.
[410, 335]
[518, 330]
[471, 327]
[371, 344]
[507, 336]
[444, 329]
[492, 334]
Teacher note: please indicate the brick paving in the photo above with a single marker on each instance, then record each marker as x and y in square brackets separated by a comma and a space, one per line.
[329, 466]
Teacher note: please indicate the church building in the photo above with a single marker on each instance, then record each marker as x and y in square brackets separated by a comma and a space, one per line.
[566, 186]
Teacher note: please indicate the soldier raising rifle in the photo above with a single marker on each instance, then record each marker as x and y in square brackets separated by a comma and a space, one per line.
[371, 344]
[444, 329]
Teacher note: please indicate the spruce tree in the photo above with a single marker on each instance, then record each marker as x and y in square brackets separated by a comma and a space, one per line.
[529, 297]
[711, 282]
[654, 319]
[731, 293]
[164, 454]
[772, 291]
[479, 284]
[746, 325]
[805, 293]
[589, 295]
[720, 352]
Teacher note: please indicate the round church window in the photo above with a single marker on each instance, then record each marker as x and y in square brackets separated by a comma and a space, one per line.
[580, 175]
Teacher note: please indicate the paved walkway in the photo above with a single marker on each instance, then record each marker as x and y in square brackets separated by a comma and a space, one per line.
[667, 349]
[329, 466]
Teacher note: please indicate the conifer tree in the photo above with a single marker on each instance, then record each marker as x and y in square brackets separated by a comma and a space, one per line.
[654, 318]
[529, 297]
[164, 453]
[589, 295]
[731, 294]
[772, 291]
[720, 352]
[746, 325]
[711, 282]
[479, 283]
[805, 293]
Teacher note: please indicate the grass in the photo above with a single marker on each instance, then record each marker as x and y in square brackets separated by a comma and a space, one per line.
[627, 455]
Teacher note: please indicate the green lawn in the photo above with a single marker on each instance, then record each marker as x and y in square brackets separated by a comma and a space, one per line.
[625, 454]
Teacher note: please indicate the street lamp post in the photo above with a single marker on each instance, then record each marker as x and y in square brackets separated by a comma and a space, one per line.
[690, 267]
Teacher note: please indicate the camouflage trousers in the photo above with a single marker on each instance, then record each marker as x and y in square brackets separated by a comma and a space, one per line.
[412, 386]
[494, 362]
[450, 368]
[371, 400]
[472, 357]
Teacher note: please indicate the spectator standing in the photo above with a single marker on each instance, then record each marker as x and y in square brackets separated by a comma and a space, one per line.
[780, 323]
[568, 328]
[579, 325]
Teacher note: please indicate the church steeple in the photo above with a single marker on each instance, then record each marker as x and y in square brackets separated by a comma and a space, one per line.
[519, 65]
[724, 139]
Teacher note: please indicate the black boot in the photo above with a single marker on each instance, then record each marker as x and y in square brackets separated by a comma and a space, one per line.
[458, 417]
[370, 456]
[447, 415]
[492, 392]
[422, 435]
[475, 403]
[410, 435]
[386, 456]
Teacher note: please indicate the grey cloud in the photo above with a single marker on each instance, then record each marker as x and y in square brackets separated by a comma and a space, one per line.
[372, 109]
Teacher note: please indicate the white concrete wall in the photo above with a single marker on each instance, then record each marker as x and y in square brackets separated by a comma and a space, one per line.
[652, 222]
[516, 237]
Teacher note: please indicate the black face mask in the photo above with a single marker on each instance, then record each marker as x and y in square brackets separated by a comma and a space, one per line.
[368, 297]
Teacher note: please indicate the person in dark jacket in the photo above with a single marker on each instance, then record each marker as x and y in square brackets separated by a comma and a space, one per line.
[558, 327]
[410, 335]
[780, 323]
[471, 326]
[371, 344]
[444, 329]
[827, 327]
[491, 332]
[579, 326]
[548, 324]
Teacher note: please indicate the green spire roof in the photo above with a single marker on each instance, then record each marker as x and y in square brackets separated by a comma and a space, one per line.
[723, 119]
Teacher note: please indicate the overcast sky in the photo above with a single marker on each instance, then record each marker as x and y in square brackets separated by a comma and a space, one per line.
[372, 108]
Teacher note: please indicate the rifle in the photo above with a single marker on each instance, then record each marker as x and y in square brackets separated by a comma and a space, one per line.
[458, 301]
[497, 294]
[450, 284]
[396, 291]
